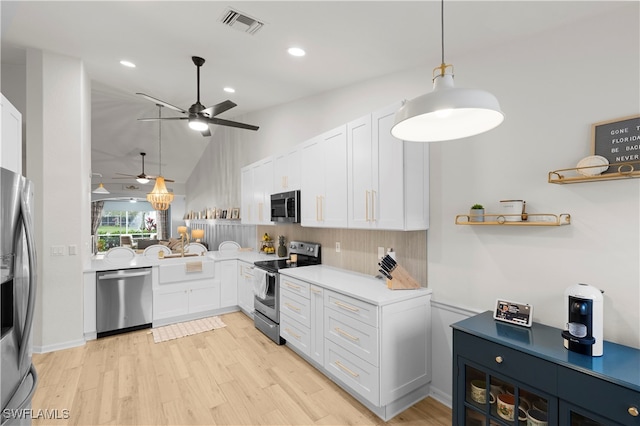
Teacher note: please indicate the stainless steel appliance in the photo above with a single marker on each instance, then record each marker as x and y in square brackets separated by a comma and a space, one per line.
[585, 320]
[17, 298]
[285, 207]
[123, 301]
[267, 309]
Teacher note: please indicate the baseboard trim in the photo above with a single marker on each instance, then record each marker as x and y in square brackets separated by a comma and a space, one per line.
[441, 397]
[468, 312]
[58, 346]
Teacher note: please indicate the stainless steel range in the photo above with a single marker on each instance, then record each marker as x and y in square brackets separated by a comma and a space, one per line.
[267, 309]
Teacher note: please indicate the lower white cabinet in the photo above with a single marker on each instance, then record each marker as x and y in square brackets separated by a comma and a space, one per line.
[245, 287]
[378, 352]
[228, 283]
[185, 290]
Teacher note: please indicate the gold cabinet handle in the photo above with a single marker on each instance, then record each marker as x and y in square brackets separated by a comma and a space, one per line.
[350, 308]
[373, 208]
[366, 205]
[348, 370]
[347, 335]
[633, 411]
[315, 291]
[297, 336]
[317, 215]
[321, 208]
[293, 308]
[292, 286]
[499, 359]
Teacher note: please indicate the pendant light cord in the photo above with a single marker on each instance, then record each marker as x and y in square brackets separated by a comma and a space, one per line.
[160, 137]
[442, 28]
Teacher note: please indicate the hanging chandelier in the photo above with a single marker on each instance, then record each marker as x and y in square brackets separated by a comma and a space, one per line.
[447, 112]
[160, 197]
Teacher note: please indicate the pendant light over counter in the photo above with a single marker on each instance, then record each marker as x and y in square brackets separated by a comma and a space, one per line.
[160, 197]
[447, 112]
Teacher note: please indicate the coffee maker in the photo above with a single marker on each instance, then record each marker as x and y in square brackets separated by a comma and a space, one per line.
[584, 333]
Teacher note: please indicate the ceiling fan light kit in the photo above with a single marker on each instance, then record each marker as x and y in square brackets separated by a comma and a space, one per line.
[197, 115]
[447, 113]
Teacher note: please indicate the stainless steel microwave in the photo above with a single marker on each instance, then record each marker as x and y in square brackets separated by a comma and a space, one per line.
[285, 207]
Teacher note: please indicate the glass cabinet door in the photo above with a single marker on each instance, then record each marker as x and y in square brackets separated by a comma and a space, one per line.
[576, 416]
[496, 401]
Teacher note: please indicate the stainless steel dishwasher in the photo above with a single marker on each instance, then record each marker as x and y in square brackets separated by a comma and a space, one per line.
[123, 301]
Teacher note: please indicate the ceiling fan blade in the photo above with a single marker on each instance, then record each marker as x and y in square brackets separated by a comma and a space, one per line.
[163, 118]
[221, 122]
[163, 103]
[214, 110]
[165, 179]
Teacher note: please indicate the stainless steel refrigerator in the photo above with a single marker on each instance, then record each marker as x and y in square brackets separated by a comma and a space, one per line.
[18, 377]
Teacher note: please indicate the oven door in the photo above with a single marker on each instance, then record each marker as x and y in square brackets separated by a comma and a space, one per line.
[270, 305]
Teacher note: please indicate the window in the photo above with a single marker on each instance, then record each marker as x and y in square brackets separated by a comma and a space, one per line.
[137, 220]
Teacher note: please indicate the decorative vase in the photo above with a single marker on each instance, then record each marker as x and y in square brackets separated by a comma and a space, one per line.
[476, 215]
[282, 249]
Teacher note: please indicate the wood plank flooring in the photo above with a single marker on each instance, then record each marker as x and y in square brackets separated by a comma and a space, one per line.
[229, 376]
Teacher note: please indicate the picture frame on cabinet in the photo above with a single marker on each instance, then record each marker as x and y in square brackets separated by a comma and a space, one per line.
[235, 213]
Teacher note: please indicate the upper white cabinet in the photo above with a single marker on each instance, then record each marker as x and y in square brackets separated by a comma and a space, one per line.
[286, 176]
[323, 189]
[256, 188]
[388, 179]
[11, 130]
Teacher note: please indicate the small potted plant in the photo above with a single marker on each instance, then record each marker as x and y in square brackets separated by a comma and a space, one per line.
[476, 213]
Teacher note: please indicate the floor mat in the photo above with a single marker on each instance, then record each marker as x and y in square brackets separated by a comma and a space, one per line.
[182, 329]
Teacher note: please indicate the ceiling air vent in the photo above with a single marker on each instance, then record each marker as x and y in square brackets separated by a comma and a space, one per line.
[240, 21]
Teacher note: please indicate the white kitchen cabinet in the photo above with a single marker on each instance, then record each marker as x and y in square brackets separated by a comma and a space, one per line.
[388, 179]
[324, 178]
[256, 188]
[375, 341]
[185, 290]
[11, 131]
[286, 176]
[228, 283]
[245, 287]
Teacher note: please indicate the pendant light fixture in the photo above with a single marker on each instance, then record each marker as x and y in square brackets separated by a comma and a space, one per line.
[447, 112]
[100, 189]
[160, 198]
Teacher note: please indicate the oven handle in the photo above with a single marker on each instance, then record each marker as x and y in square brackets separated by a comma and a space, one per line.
[271, 274]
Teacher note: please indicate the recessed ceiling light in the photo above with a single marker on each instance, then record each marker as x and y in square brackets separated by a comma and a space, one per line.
[128, 64]
[229, 90]
[296, 51]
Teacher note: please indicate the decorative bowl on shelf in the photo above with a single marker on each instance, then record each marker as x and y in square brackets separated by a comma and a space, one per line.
[588, 165]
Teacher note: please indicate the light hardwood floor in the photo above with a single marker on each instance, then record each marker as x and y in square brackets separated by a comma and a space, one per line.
[230, 376]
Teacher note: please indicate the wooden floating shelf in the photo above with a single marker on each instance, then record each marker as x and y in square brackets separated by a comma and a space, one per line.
[533, 219]
[629, 170]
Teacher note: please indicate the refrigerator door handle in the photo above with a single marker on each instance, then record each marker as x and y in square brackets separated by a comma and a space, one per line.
[21, 405]
[27, 221]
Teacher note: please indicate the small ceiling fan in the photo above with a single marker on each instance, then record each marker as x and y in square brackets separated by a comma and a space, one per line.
[200, 117]
[142, 177]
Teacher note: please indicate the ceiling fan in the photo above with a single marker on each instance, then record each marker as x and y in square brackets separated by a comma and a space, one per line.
[142, 177]
[200, 117]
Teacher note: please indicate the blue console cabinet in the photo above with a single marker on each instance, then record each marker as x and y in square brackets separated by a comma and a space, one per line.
[491, 358]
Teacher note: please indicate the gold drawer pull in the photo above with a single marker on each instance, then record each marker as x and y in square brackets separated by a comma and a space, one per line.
[293, 286]
[351, 308]
[351, 372]
[294, 308]
[499, 359]
[316, 291]
[633, 411]
[347, 335]
[297, 336]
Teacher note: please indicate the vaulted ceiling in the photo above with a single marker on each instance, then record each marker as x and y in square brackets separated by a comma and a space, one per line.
[346, 42]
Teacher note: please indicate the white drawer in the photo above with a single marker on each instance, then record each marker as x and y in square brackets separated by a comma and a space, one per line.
[187, 271]
[295, 286]
[358, 338]
[361, 377]
[296, 306]
[351, 307]
[295, 334]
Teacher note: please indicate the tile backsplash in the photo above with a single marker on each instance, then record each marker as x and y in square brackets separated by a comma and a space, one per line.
[359, 248]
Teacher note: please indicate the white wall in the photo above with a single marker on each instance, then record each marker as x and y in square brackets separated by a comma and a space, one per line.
[58, 162]
[552, 87]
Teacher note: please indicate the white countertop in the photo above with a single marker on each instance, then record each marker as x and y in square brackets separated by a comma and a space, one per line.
[99, 263]
[360, 286]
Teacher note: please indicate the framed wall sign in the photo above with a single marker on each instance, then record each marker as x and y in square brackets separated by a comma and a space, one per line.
[617, 140]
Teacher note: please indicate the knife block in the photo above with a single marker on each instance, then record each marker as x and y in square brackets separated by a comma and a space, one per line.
[401, 280]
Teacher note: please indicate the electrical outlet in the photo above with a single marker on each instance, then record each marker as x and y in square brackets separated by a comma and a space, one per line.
[337, 247]
[380, 252]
